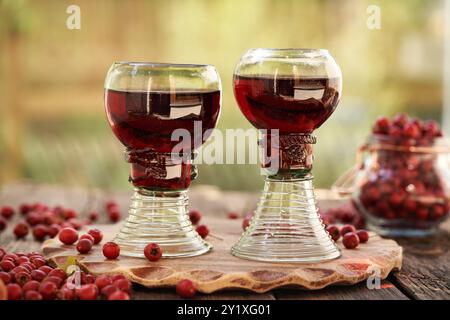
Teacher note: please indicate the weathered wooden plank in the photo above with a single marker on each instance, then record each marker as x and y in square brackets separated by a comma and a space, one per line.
[357, 292]
[426, 267]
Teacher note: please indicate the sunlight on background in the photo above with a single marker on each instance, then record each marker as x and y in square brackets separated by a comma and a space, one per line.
[53, 127]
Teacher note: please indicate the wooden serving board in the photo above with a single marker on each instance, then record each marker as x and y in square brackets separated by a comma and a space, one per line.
[219, 270]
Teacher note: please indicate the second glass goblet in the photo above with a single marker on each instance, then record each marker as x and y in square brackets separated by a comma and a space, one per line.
[161, 113]
[287, 94]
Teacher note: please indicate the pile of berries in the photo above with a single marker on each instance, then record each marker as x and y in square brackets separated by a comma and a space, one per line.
[405, 184]
[351, 237]
[30, 277]
[43, 221]
[345, 214]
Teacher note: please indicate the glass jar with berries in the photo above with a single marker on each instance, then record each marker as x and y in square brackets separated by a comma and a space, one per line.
[401, 182]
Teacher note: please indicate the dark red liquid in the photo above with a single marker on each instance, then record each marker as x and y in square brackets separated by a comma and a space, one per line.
[292, 105]
[144, 123]
[142, 120]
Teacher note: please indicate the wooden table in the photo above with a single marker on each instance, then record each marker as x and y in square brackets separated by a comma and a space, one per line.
[425, 272]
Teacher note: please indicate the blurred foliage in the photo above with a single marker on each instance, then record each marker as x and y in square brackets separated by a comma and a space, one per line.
[53, 127]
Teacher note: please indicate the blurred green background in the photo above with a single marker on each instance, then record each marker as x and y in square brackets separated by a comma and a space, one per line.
[52, 123]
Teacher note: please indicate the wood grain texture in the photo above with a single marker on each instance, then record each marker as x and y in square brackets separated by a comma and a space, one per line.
[220, 270]
[427, 267]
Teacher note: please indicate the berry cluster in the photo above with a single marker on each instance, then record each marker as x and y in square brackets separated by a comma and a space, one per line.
[351, 237]
[346, 214]
[44, 221]
[202, 230]
[403, 129]
[404, 184]
[29, 276]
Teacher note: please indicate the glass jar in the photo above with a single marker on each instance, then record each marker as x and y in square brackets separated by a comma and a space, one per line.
[400, 186]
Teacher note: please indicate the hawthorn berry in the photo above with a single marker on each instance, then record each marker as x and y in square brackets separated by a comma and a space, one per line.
[84, 245]
[87, 292]
[48, 290]
[202, 230]
[153, 252]
[194, 216]
[68, 236]
[111, 250]
[246, 223]
[14, 291]
[21, 230]
[233, 215]
[88, 237]
[334, 232]
[97, 235]
[347, 228]
[32, 295]
[31, 285]
[186, 288]
[350, 240]
[363, 236]
[103, 281]
[39, 232]
[119, 295]
[6, 212]
[53, 230]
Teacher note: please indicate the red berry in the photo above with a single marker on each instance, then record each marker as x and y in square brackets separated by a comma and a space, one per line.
[153, 252]
[93, 216]
[24, 208]
[123, 285]
[186, 288]
[68, 236]
[233, 215]
[32, 295]
[7, 265]
[87, 278]
[118, 276]
[194, 216]
[5, 277]
[108, 290]
[31, 285]
[381, 125]
[119, 295]
[411, 131]
[66, 294]
[87, 292]
[70, 214]
[38, 262]
[88, 237]
[350, 240]
[363, 236]
[7, 212]
[22, 277]
[111, 204]
[39, 232]
[97, 235]
[14, 291]
[21, 230]
[422, 214]
[400, 119]
[114, 215]
[84, 246]
[55, 280]
[59, 273]
[38, 275]
[334, 232]
[347, 228]
[111, 250]
[202, 230]
[3, 224]
[53, 230]
[103, 281]
[46, 269]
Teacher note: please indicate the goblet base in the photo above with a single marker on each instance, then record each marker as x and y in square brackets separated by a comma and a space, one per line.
[286, 226]
[160, 217]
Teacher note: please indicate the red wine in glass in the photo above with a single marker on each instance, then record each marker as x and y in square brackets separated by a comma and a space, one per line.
[290, 104]
[145, 121]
